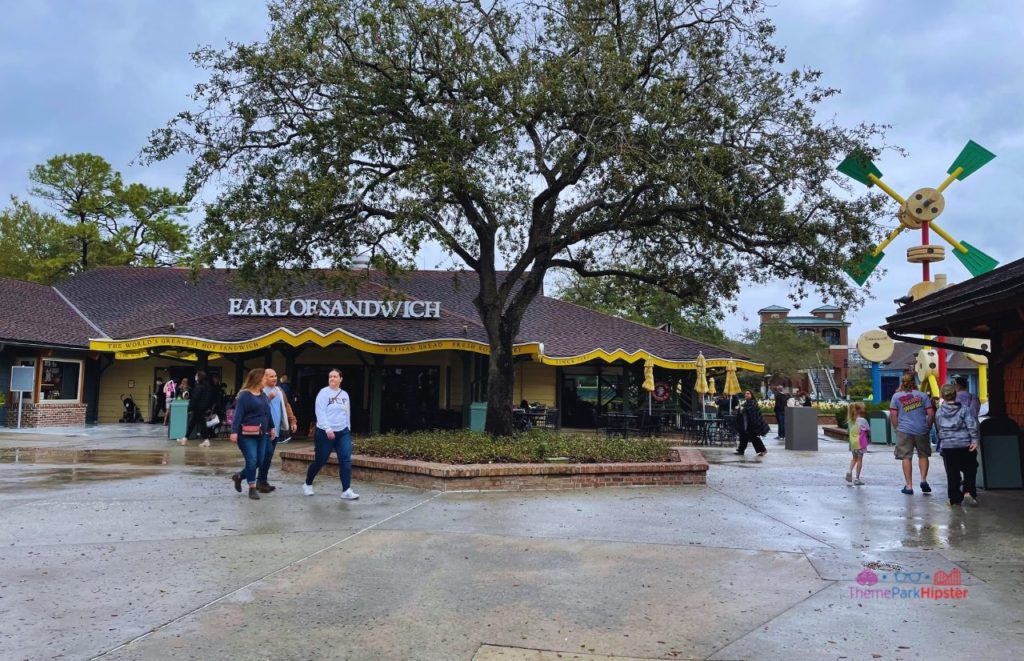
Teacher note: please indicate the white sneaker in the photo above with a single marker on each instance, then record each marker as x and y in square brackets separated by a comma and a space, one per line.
[183, 441]
[307, 489]
[205, 444]
[348, 494]
[970, 500]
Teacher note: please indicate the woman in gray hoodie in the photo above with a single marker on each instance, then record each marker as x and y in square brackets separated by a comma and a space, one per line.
[957, 430]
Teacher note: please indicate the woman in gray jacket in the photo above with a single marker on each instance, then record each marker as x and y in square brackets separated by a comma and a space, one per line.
[957, 430]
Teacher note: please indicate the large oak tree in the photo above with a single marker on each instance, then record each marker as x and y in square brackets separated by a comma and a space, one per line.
[524, 136]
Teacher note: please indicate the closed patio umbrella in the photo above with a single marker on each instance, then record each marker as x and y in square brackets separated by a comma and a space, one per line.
[649, 381]
[732, 384]
[701, 385]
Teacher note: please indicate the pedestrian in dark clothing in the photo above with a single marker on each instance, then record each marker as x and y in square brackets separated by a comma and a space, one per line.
[780, 410]
[751, 425]
[159, 402]
[200, 403]
[957, 429]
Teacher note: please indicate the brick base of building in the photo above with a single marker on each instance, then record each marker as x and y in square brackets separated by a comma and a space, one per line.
[689, 467]
[68, 414]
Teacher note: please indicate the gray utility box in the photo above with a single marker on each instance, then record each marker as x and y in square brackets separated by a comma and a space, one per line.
[801, 428]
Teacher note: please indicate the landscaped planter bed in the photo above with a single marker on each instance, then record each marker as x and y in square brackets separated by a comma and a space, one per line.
[687, 466]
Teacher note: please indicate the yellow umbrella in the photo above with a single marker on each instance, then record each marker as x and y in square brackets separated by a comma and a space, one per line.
[649, 376]
[701, 386]
[732, 384]
[711, 386]
[649, 381]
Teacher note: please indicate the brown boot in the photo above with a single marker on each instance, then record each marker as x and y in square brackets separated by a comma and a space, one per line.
[253, 494]
[265, 487]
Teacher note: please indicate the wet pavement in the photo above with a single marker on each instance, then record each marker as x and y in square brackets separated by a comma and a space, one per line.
[119, 544]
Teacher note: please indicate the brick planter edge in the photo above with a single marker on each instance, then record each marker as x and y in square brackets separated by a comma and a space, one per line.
[691, 468]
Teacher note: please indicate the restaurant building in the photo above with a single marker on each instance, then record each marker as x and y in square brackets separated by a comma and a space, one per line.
[412, 348]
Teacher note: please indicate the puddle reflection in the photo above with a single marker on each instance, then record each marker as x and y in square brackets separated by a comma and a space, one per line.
[170, 457]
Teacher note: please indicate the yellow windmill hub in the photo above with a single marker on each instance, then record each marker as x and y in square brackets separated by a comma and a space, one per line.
[923, 206]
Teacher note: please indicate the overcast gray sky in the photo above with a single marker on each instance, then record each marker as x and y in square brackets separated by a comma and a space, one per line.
[98, 76]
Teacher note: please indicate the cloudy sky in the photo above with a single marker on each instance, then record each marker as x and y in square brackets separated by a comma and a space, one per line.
[98, 76]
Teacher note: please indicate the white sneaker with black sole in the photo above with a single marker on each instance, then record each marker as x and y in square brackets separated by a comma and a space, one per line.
[348, 494]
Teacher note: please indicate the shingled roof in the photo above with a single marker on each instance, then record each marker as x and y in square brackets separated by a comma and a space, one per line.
[134, 302]
[967, 309]
[33, 314]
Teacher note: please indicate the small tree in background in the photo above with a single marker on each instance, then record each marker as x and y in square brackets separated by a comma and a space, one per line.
[784, 350]
[108, 223]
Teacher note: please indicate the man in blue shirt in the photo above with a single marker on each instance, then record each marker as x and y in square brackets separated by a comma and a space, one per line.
[283, 419]
[911, 412]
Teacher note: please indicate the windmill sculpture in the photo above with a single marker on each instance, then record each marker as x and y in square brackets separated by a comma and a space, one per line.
[919, 211]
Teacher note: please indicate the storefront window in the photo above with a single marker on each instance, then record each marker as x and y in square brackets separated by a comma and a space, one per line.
[588, 393]
[60, 380]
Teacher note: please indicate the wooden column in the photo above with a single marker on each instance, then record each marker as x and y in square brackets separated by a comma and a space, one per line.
[376, 393]
[467, 378]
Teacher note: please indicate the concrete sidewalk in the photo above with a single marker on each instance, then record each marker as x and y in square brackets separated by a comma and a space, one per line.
[126, 546]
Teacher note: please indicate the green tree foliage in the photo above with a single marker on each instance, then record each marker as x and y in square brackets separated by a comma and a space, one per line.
[33, 245]
[111, 223]
[525, 137]
[784, 350]
[640, 302]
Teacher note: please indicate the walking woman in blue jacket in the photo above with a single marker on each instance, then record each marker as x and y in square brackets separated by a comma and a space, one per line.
[252, 429]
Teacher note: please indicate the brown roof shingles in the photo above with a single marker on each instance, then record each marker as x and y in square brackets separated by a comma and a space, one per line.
[36, 314]
[137, 302]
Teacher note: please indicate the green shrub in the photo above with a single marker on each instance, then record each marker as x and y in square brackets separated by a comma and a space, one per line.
[468, 447]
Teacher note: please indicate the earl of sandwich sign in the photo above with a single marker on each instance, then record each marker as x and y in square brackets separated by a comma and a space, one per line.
[318, 307]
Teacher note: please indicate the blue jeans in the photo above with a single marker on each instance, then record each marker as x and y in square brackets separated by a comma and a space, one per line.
[253, 448]
[341, 446]
[268, 459]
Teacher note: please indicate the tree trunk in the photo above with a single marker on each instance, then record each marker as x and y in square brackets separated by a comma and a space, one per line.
[500, 383]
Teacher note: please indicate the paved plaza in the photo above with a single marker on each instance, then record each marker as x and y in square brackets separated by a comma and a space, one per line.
[116, 543]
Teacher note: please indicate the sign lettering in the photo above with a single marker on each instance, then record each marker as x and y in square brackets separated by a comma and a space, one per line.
[312, 307]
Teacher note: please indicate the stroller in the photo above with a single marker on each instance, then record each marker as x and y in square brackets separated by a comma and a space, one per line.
[130, 411]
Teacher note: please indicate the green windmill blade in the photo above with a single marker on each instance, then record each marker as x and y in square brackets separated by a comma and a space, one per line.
[972, 157]
[974, 260]
[861, 269]
[858, 166]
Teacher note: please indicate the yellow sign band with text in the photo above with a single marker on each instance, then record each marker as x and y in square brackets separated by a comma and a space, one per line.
[141, 347]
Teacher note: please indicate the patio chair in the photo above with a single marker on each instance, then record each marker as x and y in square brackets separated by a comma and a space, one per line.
[725, 432]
